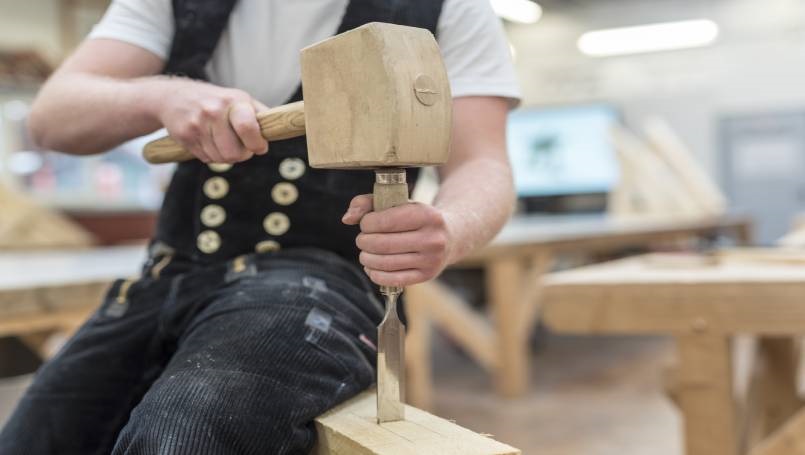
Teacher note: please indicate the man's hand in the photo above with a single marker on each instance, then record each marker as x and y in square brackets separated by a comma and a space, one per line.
[217, 125]
[400, 246]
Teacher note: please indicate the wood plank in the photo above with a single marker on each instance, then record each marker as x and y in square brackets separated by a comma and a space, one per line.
[673, 308]
[351, 429]
[636, 296]
[705, 396]
[524, 236]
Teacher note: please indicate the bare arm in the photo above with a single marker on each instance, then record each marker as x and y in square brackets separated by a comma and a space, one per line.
[108, 92]
[477, 192]
[95, 100]
[415, 242]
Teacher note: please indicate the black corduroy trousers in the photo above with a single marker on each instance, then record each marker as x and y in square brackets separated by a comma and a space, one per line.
[207, 360]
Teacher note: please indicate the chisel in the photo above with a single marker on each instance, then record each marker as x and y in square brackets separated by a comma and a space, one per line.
[390, 190]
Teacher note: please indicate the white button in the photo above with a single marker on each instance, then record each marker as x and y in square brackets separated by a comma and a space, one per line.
[292, 168]
[213, 215]
[276, 223]
[267, 246]
[216, 187]
[209, 242]
[220, 167]
[284, 193]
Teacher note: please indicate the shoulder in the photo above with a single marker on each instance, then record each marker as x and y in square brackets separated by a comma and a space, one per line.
[145, 23]
[467, 13]
[476, 51]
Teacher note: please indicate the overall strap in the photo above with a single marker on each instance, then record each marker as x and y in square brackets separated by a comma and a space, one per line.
[198, 27]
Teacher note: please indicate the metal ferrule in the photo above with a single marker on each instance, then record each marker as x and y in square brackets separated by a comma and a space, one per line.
[390, 176]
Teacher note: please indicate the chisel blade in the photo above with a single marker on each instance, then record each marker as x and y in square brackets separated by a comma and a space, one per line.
[391, 362]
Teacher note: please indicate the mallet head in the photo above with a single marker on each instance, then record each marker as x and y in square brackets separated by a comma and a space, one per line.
[376, 96]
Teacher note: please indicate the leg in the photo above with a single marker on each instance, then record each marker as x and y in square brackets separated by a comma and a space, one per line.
[705, 394]
[80, 400]
[504, 284]
[253, 369]
[417, 348]
[774, 386]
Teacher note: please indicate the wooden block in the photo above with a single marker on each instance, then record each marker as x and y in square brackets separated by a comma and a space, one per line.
[351, 429]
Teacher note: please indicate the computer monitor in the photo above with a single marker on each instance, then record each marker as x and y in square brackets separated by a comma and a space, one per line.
[561, 151]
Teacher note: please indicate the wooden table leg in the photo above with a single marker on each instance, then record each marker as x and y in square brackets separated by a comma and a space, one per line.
[774, 387]
[418, 348]
[744, 234]
[503, 284]
[705, 394]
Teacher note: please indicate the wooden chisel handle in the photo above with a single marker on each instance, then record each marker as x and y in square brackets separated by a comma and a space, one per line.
[390, 190]
[276, 124]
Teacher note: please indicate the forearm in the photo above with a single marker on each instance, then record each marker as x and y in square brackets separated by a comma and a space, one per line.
[82, 113]
[476, 198]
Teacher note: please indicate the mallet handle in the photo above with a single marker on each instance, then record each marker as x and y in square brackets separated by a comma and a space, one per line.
[276, 124]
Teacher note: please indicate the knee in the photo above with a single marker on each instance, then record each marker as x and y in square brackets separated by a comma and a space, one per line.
[216, 414]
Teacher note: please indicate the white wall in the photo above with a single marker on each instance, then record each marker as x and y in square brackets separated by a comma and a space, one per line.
[757, 65]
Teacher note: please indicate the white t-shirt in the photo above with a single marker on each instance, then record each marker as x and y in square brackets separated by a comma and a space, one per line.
[271, 33]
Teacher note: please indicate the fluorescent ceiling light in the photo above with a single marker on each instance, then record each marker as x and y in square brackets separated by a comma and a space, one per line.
[649, 38]
[522, 11]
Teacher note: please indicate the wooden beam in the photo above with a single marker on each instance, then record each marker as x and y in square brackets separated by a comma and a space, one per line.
[452, 315]
[352, 429]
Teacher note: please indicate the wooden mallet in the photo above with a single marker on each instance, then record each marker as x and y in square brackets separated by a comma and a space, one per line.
[376, 97]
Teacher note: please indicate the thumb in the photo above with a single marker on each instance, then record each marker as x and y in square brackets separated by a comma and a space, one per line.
[360, 206]
[259, 107]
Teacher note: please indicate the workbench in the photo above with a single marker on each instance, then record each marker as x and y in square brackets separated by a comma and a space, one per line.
[46, 291]
[514, 264]
[705, 303]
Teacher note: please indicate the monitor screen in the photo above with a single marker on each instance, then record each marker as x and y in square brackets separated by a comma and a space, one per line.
[563, 150]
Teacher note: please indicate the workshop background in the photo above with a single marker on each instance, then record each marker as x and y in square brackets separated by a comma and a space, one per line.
[672, 126]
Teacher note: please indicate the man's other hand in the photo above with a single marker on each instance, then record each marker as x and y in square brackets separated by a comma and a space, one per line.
[402, 245]
[217, 125]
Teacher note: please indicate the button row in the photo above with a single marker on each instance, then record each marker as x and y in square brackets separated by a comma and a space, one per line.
[275, 224]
